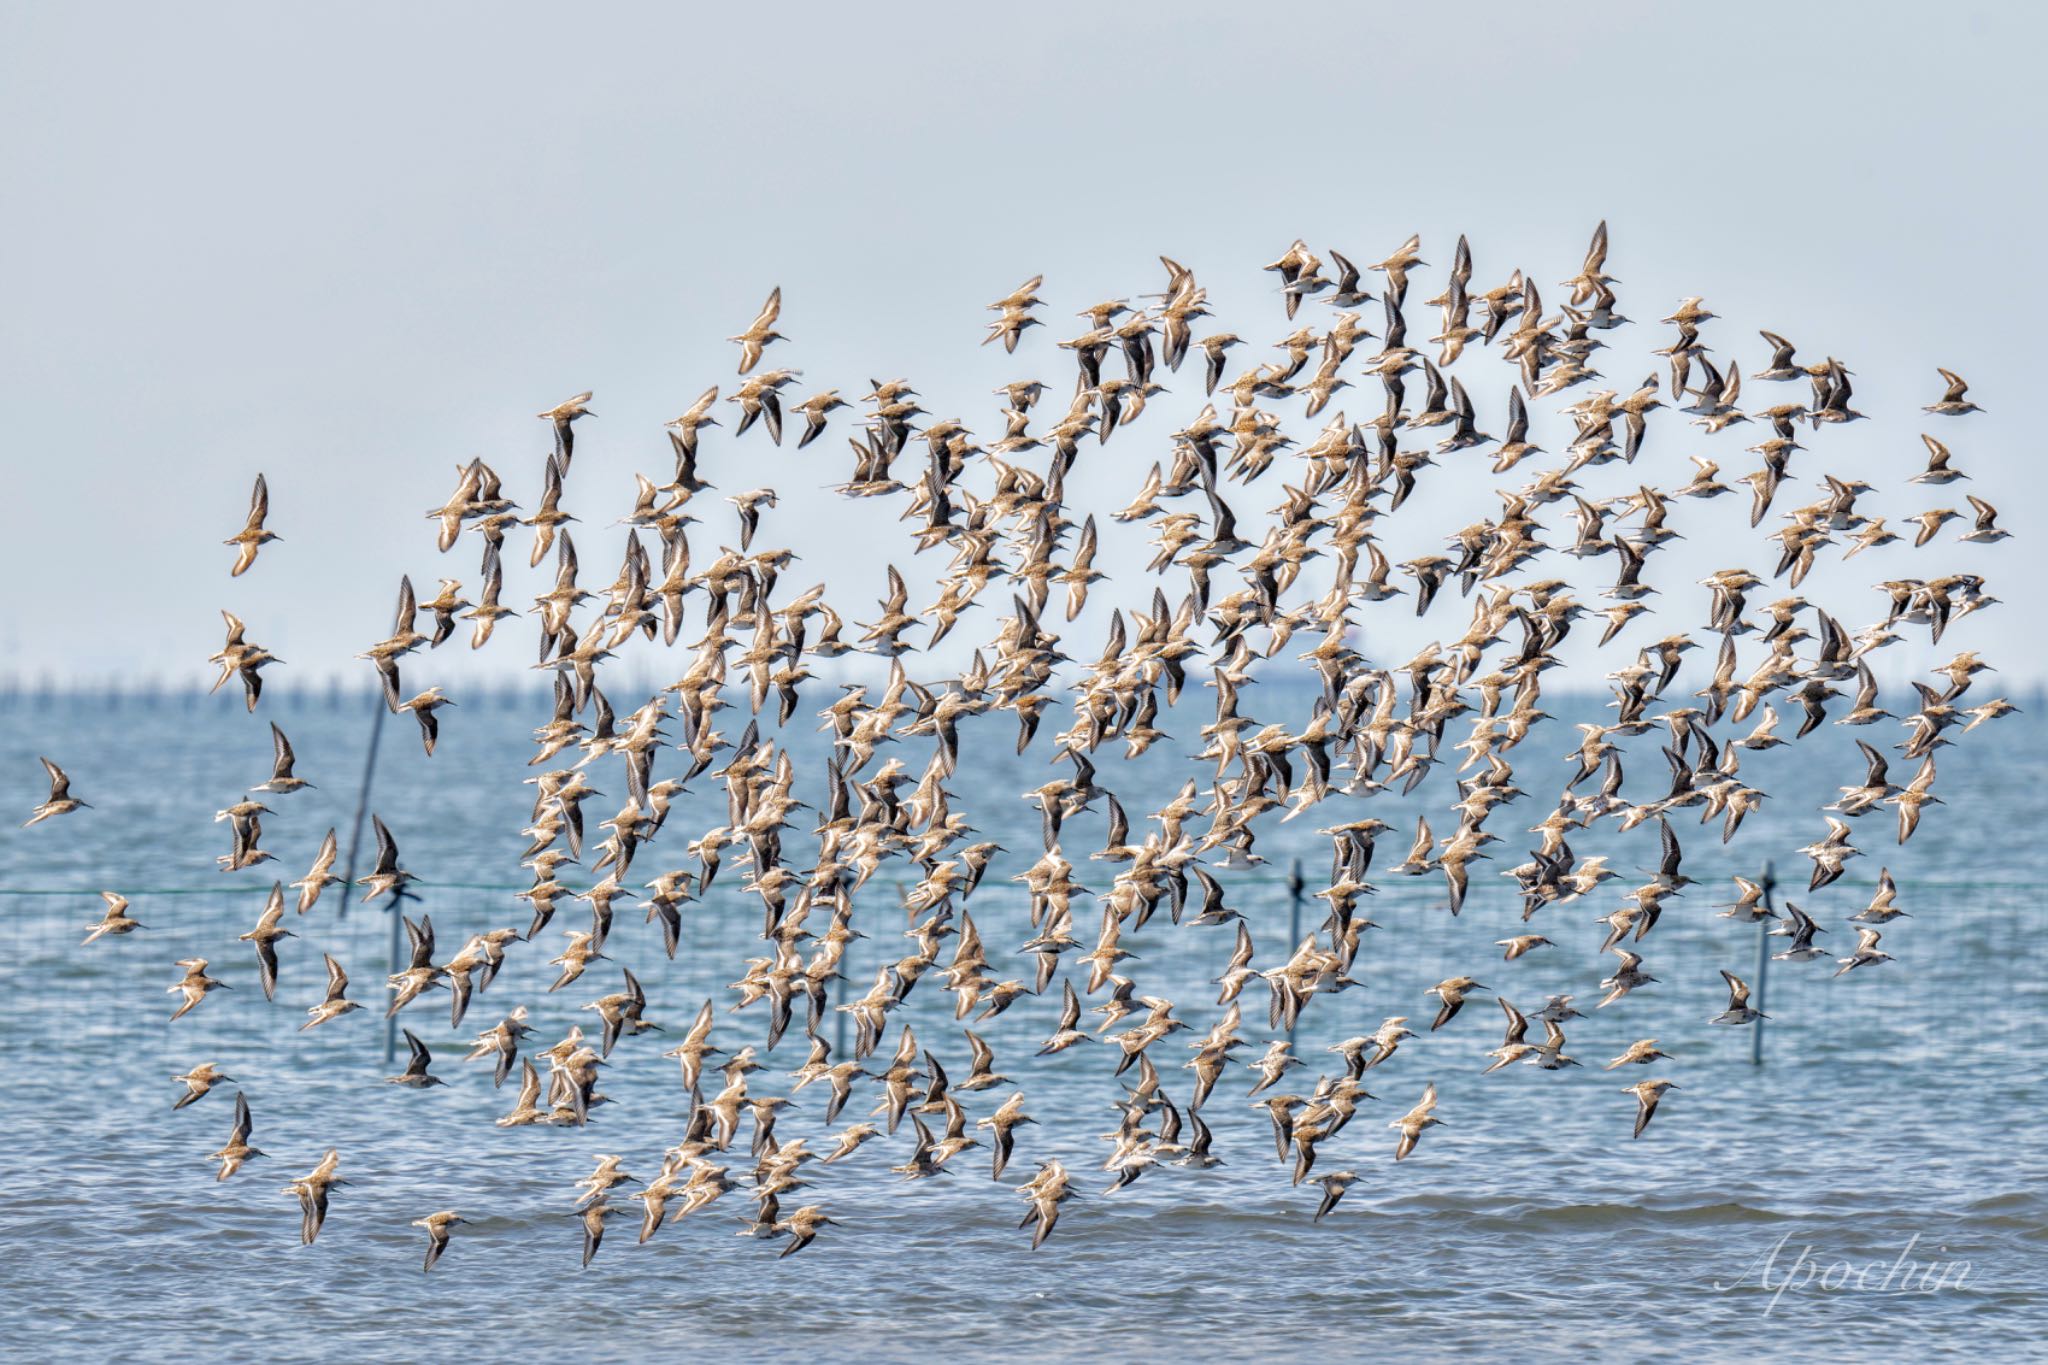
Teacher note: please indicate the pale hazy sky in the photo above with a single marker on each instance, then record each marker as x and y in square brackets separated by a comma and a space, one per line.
[353, 246]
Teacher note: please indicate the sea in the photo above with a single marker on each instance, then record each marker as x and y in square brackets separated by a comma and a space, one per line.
[1866, 1179]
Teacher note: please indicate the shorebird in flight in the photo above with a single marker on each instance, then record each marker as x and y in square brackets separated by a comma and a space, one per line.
[1413, 1123]
[320, 877]
[386, 877]
[1738, 1011]
[311, 1190]
[252, 537]
[236, 1150]
[760, 332]
[283, 761]
[269, 929]
[116, 920]
[438, 1226]
[418, 1059]
[60, 802]
[562, 418]
[194, 986]
[199, 1082]
[1648, 1094]
[336, 1002]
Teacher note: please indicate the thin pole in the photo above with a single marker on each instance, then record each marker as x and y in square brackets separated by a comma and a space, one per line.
[839, 1015]
[355, 835]
[391, 1020]
[355, 840]
[1763, 969]
[1295, 884]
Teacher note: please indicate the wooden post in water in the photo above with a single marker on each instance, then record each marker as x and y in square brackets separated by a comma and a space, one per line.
[391, 1020]
[839, 1015]
[1763, 968]
[355, 840]
[1296, 883]
[355, 834]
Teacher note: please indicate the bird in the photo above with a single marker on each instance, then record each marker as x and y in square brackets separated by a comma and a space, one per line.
[437, 1226]
[1829, 854]
[1003, 1123]
[501, 1043]
[1648, 1094]
[1514, 1047]
[61, 801]
[801, 1228]
[1952, 402]
[199, 1082]
[423, 708]
[283, 761]
[1985, 530]
[418, 1059]
[851, 1139]
[695, 1048]
[593, 1219]
[1413, 1123]
[1639, 1053]
[562, 419]
[750, 504]
[336, 1002]
[115, 920]
[1938, 471]
[194, 986]
[760, 332]
[1334, 1184]
[1867, 953]
[321, 876]
[252, 537]
[1046, 1191]
[608, 1174]
[236, 1151]
[815, 409]
[1800, 928]
[312, 1190]
[1738, 1011]
[269, 929]
[526, 1110]
[1452, 994]
[1625, 978]
[386, 877]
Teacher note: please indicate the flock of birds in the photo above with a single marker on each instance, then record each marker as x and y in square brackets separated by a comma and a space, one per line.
[996, 507]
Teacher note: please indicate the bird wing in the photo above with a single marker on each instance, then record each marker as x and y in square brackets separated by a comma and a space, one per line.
[387, 848]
